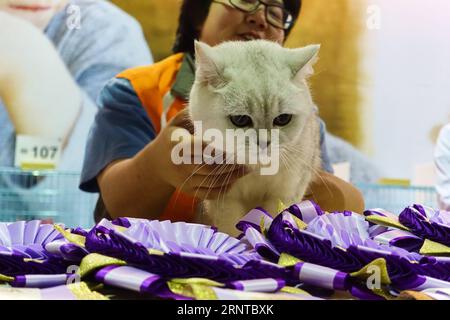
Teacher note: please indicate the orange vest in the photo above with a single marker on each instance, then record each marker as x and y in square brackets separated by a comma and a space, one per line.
[151, 83]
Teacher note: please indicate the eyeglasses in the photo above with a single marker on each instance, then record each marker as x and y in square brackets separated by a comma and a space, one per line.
[275, 12]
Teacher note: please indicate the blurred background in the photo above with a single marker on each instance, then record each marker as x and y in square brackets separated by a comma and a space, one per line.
[382, 78]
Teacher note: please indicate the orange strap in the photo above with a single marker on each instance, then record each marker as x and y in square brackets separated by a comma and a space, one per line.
[152, 82]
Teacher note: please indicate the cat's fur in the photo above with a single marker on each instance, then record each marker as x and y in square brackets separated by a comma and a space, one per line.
[263, 80]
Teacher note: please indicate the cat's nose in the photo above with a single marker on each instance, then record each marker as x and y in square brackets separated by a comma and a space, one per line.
[263, 144]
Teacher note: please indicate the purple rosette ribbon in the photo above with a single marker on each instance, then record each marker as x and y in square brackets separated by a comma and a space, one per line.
[262, 246]
[400, 270]
[321, 245]
[309, 247]
[230, 294]
[347, 228]
[341, 228]
[180, 237]
[424, 211]
[380, 212]
[69, 251]
[258, 285]
[40, 280]
[376, 229]
[128, 222]
[260, 269]
[435, 267]
[442, 217]
[322, 277]
[399, 238]
[22, 249]
[424, 283]
[407, 272]
[137, 280]
[334, 252]
[402, 264]
[16, 264]
[306, 210]
[383, 250]
[418, 220]
[253, 220]
[220, 266]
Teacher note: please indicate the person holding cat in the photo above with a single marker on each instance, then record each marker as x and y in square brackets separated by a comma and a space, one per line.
[128, 155]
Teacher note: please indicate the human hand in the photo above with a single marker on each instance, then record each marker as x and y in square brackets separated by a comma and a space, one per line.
[193, 175]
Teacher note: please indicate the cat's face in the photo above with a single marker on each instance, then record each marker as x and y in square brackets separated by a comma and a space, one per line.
[38, 12]
[254, 85]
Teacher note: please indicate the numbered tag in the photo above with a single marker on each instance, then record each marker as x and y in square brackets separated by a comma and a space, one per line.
[37, 153]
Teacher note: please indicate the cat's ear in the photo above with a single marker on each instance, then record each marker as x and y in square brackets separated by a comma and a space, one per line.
[302, 60]
[208, 68]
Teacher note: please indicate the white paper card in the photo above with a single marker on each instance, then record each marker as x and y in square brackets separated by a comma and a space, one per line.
[37, 152]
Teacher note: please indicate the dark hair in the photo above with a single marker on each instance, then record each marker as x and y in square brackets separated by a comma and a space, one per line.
[193, 14]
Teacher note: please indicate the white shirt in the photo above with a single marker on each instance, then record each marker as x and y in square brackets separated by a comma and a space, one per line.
[442, 160]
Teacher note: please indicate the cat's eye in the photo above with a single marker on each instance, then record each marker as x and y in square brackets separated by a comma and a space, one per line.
[282, 120]
[241, 121]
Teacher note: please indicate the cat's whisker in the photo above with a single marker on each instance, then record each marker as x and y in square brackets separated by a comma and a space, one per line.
[283, 161]
[220, 170]
[316, 174]
[227, 179]
[223, 186]
[206, 177]
[193, 173]
[291, 160]
[297, 151]
[322, 179]
[199, 168]
[289, 166]
[223, 197]
[315, 171]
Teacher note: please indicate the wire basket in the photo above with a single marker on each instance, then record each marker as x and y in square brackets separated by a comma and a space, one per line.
[51, 196]
[54, 197]
[395, 198]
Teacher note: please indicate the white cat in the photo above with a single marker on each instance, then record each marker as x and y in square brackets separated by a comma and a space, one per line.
[258, 85]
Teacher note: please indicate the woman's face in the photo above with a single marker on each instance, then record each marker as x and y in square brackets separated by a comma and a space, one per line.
[225, 23]
[38, 12]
